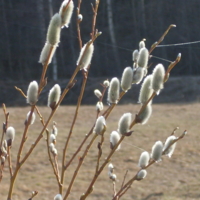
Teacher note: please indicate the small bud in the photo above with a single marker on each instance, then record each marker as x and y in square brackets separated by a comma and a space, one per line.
[124, 123]
[145, 115]
[85, 56]
[113, 177]
[52, 138]
[80, 18]
[54, 152]
[54, 130]
[127, 78]
[141, 174]
[10, 135]
[32, 93]
[158, 78]
[99, 106]
[141, 44]
[170, 150]
[143, 57]
[135, 55]
[113, 91]
[114, 139]
[110, 168]
[138, 74]
[46, 55]
[54, 96]
[58, 197]
[156, 152]
[144, 159]
[53, 33]
[51, 147]
[66, 13]
[97, 93]
[146, 90]
[106, 83]
[100, 125]
[32, 118]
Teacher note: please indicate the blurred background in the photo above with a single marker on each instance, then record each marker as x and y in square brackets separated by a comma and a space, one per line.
[123, 24]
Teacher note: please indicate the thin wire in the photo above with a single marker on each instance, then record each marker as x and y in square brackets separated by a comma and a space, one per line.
[161, 59]
[179, 44]
[134, 146]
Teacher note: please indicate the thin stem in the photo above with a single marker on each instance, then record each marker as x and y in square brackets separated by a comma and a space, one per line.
[95, 10]
[78, 24]
[10, 162]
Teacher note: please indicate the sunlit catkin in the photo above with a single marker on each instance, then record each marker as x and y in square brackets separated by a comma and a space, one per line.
[66, 11]
[58, 197]
[144, 116]
[158, 78]
[32, 120]
[138, 74]
[141, 174]
[113, 91]
[114, 139]
[169, 148]
[53, 33]
[97, 93]
[141, 44]
[146, 90]
[143, 57]
[100, 125]
[10, 135]
[99, 106]
[124, 123]
[144, 159]
[156, 152]
[47, 53]
[135, 55]
[32, 93]
[127, 78]
[54, 96]
[85, 56]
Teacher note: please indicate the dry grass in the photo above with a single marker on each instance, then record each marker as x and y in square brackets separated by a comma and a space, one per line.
[177, 178]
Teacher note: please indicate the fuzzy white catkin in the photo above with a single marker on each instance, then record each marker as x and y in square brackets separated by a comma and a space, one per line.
[32, 93]
[52, 138]
[124, 123]
[138, 74]
[113, 90]
[85, 56]
[141, 174]
[54, 130]
[156, 152]
[53, 33]
[58, 197]
[135, 55]
[114, 139]
[141, 44]
[99, 106]
[66, 14]
[45, 54]
[144, 159]
[10, 133]
[106, 83]
[51, 147]
[143, 57]
[145, 115]
[170, 149]
[110, 168]
[32, 117]
[54, 95]
[158, 78]
[97, 93]
[100, 125]
[127, 78]
[146, 90]
[113, 177]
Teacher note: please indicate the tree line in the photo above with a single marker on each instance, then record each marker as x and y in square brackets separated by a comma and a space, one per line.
[123, 25]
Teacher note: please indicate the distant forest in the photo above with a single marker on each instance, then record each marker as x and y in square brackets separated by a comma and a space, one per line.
[123, 24]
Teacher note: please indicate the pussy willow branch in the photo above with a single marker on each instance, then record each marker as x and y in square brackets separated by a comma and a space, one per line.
[95, 11]
[100, 144]
[161, 38]
[129, 183]
[78, 24]
[81, 159]
[10, 161]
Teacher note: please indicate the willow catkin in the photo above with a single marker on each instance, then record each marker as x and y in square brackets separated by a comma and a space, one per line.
[100, 125]
[66, 13]
[47, 53]
[54, 96]
[10, 135]
[58, 197]
[158, 78]
[138, 74]
[143, 57]
[127, 77]
[146, 90]
[53, 33]
[113, 90]
[32, 120]
[156, 152]
[144, 159]
[144, 116]
[32, 93]
[135, 55]
[124, 123]
[85, 56]
[114, 139]
[141, 174]
[169, 148]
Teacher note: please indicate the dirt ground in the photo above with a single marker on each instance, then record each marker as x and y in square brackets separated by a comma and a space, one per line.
[177, 178]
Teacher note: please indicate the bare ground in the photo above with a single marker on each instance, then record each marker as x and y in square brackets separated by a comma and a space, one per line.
[177, 178]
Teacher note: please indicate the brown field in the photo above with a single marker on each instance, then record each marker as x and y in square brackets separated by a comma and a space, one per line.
[177, 178]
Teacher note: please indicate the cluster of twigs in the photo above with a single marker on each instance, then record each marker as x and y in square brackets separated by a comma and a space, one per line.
[96, 130]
